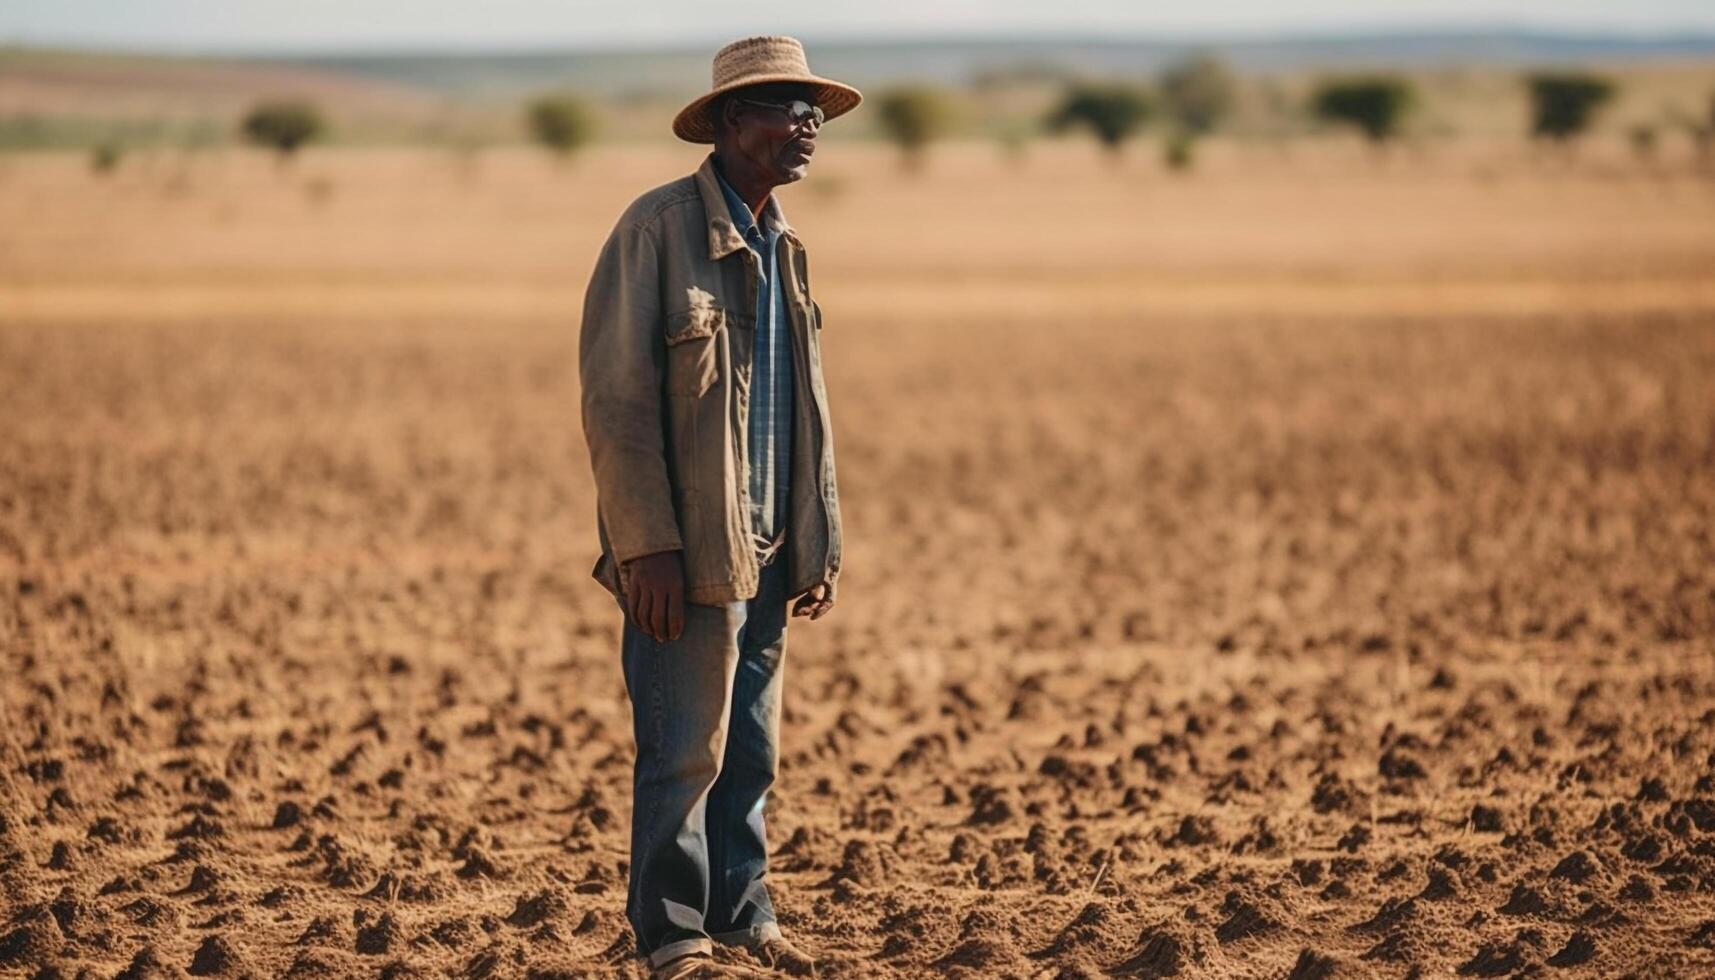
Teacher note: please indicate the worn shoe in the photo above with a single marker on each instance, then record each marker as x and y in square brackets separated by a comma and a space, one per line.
[701, 966]
[691, 966]
[781, 955]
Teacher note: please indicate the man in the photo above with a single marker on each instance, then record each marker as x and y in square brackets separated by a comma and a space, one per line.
[708, 430]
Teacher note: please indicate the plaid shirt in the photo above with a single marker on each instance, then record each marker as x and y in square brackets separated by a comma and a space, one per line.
[770, 429]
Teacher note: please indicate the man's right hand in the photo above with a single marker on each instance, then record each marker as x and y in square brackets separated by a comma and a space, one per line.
[655, 594]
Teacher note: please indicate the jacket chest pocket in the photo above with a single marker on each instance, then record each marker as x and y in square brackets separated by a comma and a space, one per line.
[693, 350]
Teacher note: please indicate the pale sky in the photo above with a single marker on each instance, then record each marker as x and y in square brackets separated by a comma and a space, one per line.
[295, 25]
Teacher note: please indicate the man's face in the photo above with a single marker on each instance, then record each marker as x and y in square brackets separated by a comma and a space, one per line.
[766, 135]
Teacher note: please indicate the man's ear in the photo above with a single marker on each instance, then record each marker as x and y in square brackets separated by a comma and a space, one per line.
[729, 109]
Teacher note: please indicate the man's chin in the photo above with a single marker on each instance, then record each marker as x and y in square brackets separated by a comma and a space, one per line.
[796, 173]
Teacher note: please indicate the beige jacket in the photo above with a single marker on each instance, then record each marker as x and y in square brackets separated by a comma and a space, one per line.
[664, 357]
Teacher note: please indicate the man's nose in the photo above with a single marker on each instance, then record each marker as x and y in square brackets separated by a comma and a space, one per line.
[810, 126]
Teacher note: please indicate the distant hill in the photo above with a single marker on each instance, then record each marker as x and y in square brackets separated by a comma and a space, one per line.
[52, 98]
[73, 98]
[674, 71]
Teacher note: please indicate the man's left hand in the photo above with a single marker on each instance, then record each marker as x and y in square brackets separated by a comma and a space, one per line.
[816, 602]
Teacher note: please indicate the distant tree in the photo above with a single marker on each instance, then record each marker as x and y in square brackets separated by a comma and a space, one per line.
[105, 157]
[283, 126]
[1376, 104]
[1700, 128]
[562, 123]
[1014, 140]
[1197, 94]
[1703, 136]
[466, 149]
[911, 116]
[1180, 151]
[1564, 103]
[1643, 137]
[1112, 112]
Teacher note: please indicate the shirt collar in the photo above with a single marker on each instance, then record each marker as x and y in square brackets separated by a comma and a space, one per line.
[772, 216]
[723, 235]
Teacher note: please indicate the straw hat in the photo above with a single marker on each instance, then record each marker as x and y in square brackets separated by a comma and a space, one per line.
[754, 61]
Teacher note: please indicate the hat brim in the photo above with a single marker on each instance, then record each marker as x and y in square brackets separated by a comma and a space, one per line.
[693, 124]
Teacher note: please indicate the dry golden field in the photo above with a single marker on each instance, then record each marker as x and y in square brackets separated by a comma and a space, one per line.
[1301, 568]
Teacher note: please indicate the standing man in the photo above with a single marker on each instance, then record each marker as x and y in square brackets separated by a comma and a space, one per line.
[708, 431]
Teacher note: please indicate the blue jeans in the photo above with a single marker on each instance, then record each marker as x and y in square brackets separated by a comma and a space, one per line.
[706, 717]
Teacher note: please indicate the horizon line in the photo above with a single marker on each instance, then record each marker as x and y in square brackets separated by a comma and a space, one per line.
[1693, 35]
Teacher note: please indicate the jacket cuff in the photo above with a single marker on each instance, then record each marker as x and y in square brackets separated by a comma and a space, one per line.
[621, 557]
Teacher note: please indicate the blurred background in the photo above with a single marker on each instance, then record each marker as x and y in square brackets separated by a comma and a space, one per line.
[164, 78]
[1276, 450]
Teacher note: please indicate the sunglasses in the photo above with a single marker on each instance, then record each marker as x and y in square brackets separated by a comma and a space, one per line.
[797, 111]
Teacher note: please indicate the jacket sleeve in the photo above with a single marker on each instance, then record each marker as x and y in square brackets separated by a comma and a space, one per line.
[621, 362]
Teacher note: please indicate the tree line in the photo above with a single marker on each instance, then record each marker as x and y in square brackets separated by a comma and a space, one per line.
[1190, 100]
[1194, 98]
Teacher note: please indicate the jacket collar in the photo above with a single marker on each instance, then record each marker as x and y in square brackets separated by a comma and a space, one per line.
[724, 237]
